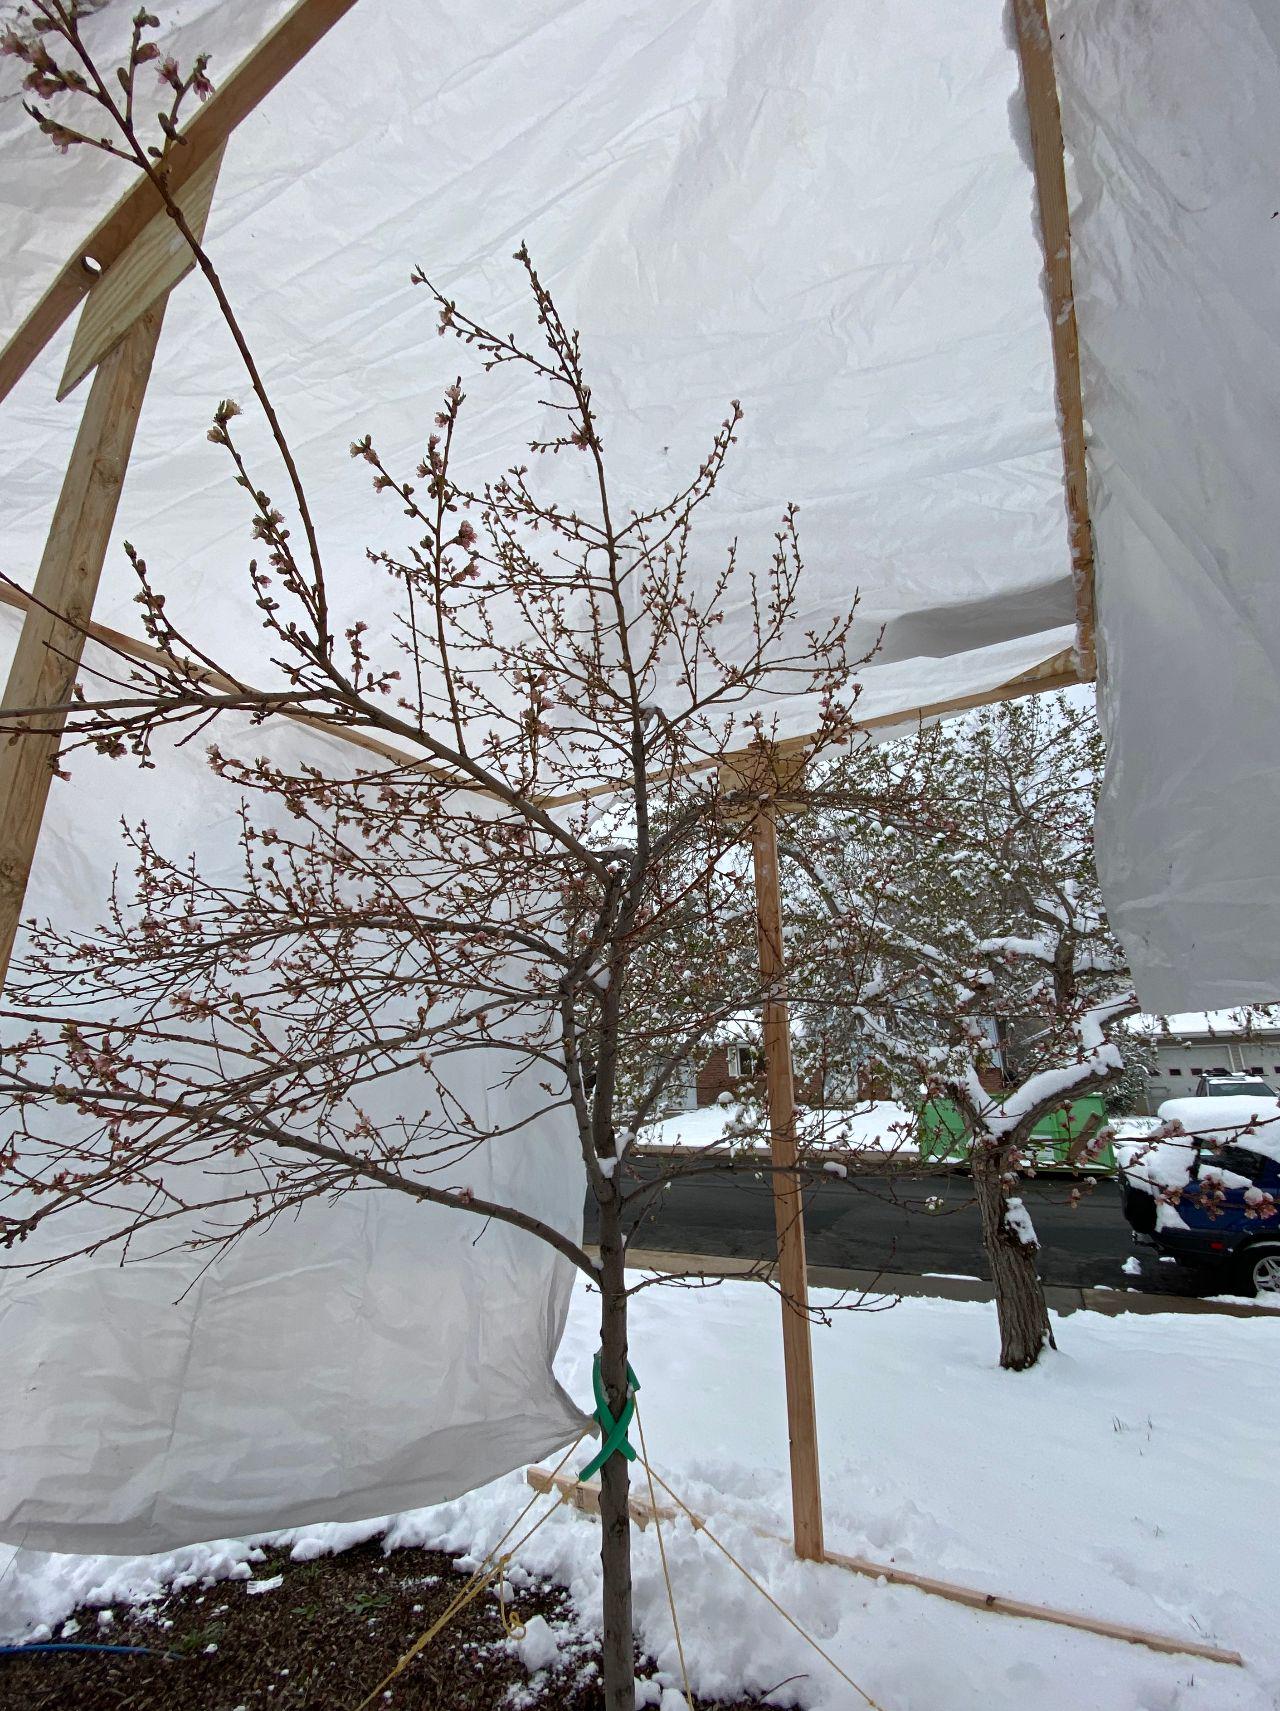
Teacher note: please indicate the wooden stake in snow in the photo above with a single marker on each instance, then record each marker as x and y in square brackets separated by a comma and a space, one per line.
[585, 1497]
[788, 1204]
[764, 773]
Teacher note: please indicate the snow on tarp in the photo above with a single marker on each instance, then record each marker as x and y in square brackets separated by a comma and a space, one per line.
[364, 1354]
[820, 211]
[1171, 115]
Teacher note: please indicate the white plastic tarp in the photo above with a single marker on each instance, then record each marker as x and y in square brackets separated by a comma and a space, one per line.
[360, 1356]
[819, 210]
[1171, 115]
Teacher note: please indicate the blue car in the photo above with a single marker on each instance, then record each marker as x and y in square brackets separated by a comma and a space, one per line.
[1211, 1201]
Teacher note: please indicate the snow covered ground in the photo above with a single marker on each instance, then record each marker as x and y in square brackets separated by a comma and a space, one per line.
[1130, 1476]
[877, 1124]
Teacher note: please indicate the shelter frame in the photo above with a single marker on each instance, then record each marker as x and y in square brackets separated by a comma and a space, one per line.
[59, 612]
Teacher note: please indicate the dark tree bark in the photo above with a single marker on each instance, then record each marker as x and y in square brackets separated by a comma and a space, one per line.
[618, 1655]
[1020, 1303]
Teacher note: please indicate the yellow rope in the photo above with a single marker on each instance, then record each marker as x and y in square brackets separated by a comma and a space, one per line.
[701, 1526]
[512, 1625]
[662, 1552]
[493, 1565]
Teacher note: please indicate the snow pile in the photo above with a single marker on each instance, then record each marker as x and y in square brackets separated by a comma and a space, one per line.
[37, 1589]
[1132, 1128]
[271, 1584]
[872, 1125]
[915, 1417]
[539, 1645]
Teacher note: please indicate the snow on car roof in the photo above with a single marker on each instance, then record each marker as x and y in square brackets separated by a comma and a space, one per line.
[1250, 1121]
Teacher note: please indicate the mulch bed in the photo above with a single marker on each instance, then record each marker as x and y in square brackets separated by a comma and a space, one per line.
[320, 1641]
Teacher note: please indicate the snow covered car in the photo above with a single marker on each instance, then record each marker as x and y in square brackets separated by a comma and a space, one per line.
[1210, 1197]
[1233, 1087]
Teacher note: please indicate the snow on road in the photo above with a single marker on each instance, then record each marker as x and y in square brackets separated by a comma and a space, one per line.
[1130, 1476]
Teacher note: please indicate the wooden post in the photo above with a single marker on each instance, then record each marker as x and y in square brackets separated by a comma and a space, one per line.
[1040, 85]
[788, 1204]
[116, 339]
[48, 655]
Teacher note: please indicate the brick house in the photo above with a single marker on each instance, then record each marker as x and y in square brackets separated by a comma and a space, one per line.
[727, 1067]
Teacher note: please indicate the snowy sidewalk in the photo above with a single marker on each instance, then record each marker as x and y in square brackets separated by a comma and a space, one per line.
[1063, 1299]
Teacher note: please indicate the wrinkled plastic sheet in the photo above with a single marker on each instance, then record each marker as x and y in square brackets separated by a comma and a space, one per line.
[1171, 115]
[820, 211]
[361, 1355]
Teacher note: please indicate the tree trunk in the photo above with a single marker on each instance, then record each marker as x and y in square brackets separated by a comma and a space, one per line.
[618, 1660]
[1020, 1304]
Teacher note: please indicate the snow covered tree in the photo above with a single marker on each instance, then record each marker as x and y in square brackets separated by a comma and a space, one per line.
[965, 950]
[217, 1052]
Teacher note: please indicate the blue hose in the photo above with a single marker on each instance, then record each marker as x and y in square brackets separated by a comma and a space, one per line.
[67, 1646]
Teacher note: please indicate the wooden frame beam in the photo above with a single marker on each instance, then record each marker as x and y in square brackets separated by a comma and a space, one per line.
[129, 647]
[157, 260]
[1057, 672]
[766, 772]
[1040, 85]
[47, 658]
[209, 128]
[117, 340]
[767, 779]
[584, 1495]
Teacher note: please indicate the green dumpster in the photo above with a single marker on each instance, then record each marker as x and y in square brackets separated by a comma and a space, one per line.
[943, 1136]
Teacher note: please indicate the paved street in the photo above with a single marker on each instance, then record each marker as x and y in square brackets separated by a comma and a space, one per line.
[880, 1222]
